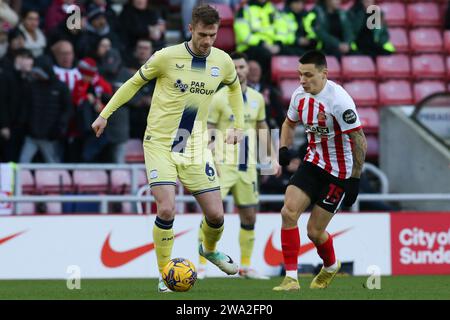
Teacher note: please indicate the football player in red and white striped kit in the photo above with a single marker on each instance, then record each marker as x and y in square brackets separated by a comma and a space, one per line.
[329, 174]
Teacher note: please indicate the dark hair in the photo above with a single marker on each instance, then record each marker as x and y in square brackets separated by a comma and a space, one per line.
[26, 12]
[23, 53]
[315, 57]
[205, 14]
[238, 55]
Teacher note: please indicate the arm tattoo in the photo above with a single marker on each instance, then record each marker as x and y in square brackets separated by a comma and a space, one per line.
[358, 152]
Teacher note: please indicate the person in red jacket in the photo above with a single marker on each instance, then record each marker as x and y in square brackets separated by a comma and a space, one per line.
[90, 95]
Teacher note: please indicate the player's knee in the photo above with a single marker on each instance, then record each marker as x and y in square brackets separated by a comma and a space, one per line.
[214, 216]
[166, 211]
[288, 216]
[314, 234]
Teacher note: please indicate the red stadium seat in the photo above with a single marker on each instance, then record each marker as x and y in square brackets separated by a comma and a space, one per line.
[393, 66]
[142, 178]
[287, 88]
[134, 151]
[447, 41]
[399, 38]
[27, 181]
[394, 13]
[225, 39]
[424, 15]
[284, 67]
[25, 208]
[395, 92]
[424, 40]
[53, 181]
[429, 66]
[372, 148]
[334, 68]
[225, 13]
[370, 119]
[54, 207]
[447, 62]
[357, 67]
[86, 181]
[363, 92]
[120, 181]
[426, 88]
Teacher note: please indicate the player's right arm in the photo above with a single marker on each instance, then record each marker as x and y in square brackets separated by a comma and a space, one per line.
[150, 70]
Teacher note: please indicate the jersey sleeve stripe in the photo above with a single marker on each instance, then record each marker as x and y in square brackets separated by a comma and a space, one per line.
[351, 130]
[142, 75]
[229, 84]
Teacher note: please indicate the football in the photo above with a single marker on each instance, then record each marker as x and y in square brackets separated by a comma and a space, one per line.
[179, 274]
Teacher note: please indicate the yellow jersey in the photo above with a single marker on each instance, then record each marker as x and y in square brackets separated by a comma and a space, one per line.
[185, 86]
[221, 115]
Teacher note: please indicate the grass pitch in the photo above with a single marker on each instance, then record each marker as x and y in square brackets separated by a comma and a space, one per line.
[343, 288]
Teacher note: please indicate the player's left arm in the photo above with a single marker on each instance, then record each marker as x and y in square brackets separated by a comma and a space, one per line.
[359, 149]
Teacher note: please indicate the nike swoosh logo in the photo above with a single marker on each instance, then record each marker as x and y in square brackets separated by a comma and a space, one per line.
[3, 240]
[113, 259]
[274, 257]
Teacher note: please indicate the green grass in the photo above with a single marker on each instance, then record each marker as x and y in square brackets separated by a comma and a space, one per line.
[343, 288]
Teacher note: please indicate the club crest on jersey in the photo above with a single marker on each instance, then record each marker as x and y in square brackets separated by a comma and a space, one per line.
[321, 116]
[154, 174]
[215, 71]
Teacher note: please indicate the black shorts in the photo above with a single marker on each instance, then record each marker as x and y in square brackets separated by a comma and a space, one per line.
[324, 189]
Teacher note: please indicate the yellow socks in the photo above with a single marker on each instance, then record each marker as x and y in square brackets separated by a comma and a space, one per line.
[163, 238]
[211, 234]
[201, 260]
[246, 243]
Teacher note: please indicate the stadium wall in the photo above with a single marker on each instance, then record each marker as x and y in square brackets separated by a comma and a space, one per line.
[44, 247]
[413, 160]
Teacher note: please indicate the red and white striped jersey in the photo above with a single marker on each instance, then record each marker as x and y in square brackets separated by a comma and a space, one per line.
[328, 117]
[68, 76]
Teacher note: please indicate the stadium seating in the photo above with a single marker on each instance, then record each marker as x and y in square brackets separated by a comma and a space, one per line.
[26, 208]
[370, 119]
[372, 148]
[363, 92]
[397, 66]
[226, 14]
[120, 181]
[287, 87]
[428, 66]
[447, 41]
[424, 14]
[399, 38]
[54, 207]
[134, 151]
[284, 67]
[447, 63]
[394, 13]
[53, 181]
[27, 181]
[225, 39]
[357, 67]
[90, 181]
[334, 68]
[426, 88]
[425, 40]
[395, 92]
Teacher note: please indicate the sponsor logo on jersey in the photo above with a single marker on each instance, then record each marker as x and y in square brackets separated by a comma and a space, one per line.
[321, 116]
[317, 129]
[180, 85]
[349, 116]
[215, 71]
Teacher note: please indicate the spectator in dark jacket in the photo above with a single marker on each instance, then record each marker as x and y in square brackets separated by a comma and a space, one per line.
[369, 41]
[46, 116]
[97, 26]
[138, 21]
[331, 27]
[15, 95]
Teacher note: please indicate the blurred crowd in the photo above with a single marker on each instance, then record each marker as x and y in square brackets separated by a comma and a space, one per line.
[55, 76]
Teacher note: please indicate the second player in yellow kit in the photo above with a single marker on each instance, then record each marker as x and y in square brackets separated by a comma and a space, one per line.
[237, 164]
